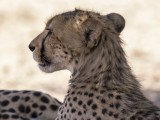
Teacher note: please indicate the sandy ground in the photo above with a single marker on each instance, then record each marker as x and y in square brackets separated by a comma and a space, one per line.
[21, 21]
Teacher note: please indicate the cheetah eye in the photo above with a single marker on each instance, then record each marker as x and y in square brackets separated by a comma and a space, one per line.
[49, 31]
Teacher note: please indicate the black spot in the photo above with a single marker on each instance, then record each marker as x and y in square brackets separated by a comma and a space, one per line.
[98, 118]
[86, 93]
[75, 99]
[73, 93]
[110, 95]
[110, 113]
[94, 106]
[70, 104]
[140, 118]
[103, 101]
[15, 116]
[140, 112]
[118, 97]
[83, 86]
[99, 66]
[76, 61]
[3, 111]
[21, 108]
[115, 115]
[89, 102]
[74, 86]
[62, 112]
[66, 52]
[133, 118]
[4, 103]
[156, 118]
[1, 90]
[73, 110]
[67, 110]
[11, 110]
[44, 99]
[88, 81]
[5, 116]
[34, 115]
[42, 107]
[94, 114]
[69, 99]
[79, 92]
[60, 108]
[80, 102]
[34, 105]
[54, 107]
[97, 97]
[104, 111]
[111, 105]
[90, 94]
[37, 94]
[15, 98]
[27, 98]
[123, 111]
[26, 91]
[84, 106]
[65, 115]
[117, 105]
[102, 91]
[66, 104]
[27, 109]
[79, 113]
[6, 92]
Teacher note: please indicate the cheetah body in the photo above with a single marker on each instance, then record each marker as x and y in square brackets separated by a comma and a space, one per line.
[102, 86]
[27, 105]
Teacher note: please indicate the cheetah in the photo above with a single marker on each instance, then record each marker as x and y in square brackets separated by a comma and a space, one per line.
[102, 86]
[27, 105]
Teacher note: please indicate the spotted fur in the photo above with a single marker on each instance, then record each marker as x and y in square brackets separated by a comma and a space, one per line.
[103, 86]
[27, 105]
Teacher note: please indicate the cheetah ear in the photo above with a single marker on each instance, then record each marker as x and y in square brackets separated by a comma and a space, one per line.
[92, 33]
[117, 20]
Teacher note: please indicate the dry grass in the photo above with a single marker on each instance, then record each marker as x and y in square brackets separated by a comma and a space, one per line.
[21, 21]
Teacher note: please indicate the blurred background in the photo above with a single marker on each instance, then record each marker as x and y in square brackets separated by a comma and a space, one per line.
[22, 20]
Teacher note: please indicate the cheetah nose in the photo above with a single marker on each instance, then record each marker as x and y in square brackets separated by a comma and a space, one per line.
[31, 47]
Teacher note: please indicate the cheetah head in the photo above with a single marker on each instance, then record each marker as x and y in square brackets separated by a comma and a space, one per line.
[70, 36]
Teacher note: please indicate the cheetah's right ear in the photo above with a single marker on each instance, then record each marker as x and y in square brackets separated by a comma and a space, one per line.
[117, 20]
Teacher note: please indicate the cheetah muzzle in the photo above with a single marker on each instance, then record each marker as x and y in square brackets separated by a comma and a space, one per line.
[103, 86]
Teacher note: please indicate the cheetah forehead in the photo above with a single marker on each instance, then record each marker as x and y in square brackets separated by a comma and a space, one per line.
[77, 17]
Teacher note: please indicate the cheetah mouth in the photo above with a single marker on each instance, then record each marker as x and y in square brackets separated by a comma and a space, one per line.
[43, 64]
[46, 67]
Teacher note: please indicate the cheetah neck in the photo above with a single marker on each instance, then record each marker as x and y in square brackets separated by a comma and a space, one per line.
[107, 66]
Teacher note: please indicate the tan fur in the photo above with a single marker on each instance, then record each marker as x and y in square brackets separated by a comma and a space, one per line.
[103, 86]
[27, 105]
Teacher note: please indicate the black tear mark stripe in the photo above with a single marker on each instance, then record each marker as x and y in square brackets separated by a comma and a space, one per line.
[42, 50]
